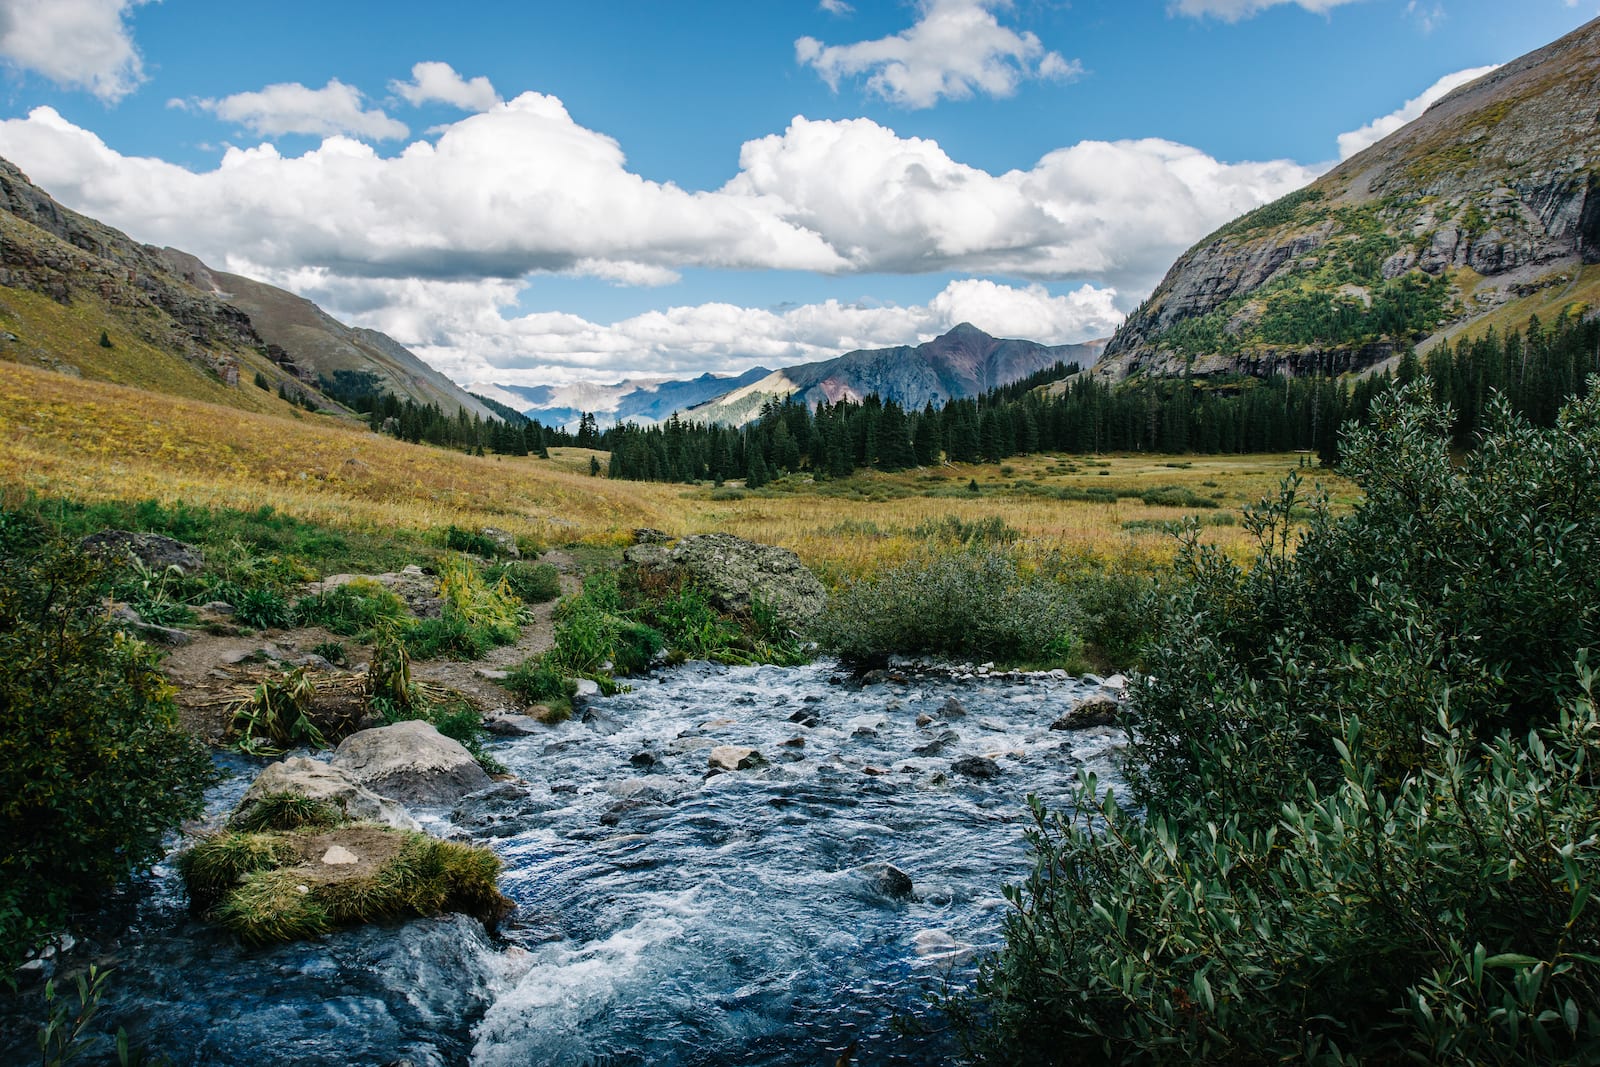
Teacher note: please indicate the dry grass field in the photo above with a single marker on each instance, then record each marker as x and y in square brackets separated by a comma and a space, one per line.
[67, 437]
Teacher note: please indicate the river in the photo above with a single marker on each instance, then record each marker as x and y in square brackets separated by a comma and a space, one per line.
[663, 917]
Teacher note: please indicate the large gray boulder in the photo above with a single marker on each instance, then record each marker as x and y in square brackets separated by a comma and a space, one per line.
[321, 781]
[734, 572]
[153, 550]
[411, 762]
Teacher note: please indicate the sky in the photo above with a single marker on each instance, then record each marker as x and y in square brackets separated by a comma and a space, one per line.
[538, 193]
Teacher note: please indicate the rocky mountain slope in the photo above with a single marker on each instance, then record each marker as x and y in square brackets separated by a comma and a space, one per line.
[1483, 209]
[82, 298]
[317, 343]
[962, 363]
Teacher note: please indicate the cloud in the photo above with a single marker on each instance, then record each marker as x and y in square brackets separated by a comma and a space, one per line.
[835, 7]
[464, 328]
[439, 82]
[1355, 140]
[290, 107]
[957, 48]
[1234, 10]
[79, 44]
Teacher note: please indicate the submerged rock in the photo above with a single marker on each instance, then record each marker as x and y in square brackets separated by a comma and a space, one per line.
[411, 762]
[976, 767]
[734, 758]
[891, 881]
[1096, 711]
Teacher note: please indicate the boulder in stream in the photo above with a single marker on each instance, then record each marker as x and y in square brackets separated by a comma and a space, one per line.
[981, 767]
[734, 758]
[317, 780]
[1096, 711]
[411, 762]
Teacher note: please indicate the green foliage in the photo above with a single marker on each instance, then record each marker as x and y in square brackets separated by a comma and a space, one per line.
[287, 811]
[1366, 768]
[531, 583]
[76, 696]
[972, 604]
[359, 608]
[263, 608]
[275, 716]
[536, 680]
[474, 618]
[1170, 496]
[458, 540]
[954, 530]
[65, 1035]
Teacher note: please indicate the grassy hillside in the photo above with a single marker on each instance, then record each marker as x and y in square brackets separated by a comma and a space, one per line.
[95, 441]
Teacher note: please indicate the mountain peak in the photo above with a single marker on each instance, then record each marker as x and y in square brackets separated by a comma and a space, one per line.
[962, 331]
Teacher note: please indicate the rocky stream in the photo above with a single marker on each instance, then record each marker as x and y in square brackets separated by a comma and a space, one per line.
[796, 909]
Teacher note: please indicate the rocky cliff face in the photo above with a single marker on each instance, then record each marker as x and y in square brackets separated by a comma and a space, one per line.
[1490, 197]
[46, 248]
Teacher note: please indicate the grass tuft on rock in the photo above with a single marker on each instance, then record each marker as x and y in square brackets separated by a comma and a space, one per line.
[277, 886]
[288, 811]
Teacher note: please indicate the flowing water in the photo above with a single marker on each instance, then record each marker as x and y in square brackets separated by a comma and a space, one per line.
[664, 917]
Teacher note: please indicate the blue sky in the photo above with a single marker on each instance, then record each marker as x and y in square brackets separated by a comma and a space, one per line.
[642, 187]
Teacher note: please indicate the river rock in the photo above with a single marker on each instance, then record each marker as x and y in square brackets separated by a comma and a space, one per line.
[411, 762]
[952, 709]
[981, 767]
[511, 724]
[153, 550]
[1096, 711]
[734, 572]
[734, 758]
[936, 744]
[891, 881]
[322, 781]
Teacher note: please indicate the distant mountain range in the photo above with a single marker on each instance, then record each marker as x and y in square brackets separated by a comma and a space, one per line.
[962, 363]
[641, 400]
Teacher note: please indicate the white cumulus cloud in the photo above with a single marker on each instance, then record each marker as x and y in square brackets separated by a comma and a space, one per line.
[955, 49]
[1355, 140]
[433, 81]
[289, 107]
[79, 44]
[835, 7]
[1234, 10]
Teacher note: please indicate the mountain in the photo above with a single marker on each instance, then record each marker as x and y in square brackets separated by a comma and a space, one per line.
[641, 400]
[962, 363]
[82, 298]
[1483, 210]
[318, 344]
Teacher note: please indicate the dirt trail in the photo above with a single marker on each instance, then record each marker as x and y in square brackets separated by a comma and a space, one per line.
[208, 671]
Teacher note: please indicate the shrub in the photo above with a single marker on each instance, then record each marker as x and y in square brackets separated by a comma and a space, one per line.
[76, 695]
[263, 608]
[536, 680]
[359, 608]
[974, 604]
[1366, 771]
[458, 540]
[473, 619]
[531, 583]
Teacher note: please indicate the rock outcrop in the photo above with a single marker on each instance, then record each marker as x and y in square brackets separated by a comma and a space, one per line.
[735, 573]
[411, 762]
[153, 550]
[321, 781]
[1491, 196]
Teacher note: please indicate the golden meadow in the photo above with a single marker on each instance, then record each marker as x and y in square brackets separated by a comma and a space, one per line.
[93, 441]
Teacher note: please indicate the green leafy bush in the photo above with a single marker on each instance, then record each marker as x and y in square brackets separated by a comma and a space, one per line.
[474, 618]
[1370, 827]
[458, 540]
[531, 583]
[358, 608]
[94, 768]
[972, 604]
[263, 608]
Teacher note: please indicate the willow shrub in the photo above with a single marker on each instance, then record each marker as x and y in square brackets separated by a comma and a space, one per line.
[1371, 819]
[970, 604]
[94, 768]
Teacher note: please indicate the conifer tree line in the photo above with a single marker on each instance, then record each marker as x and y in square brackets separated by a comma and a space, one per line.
[1536, 369]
